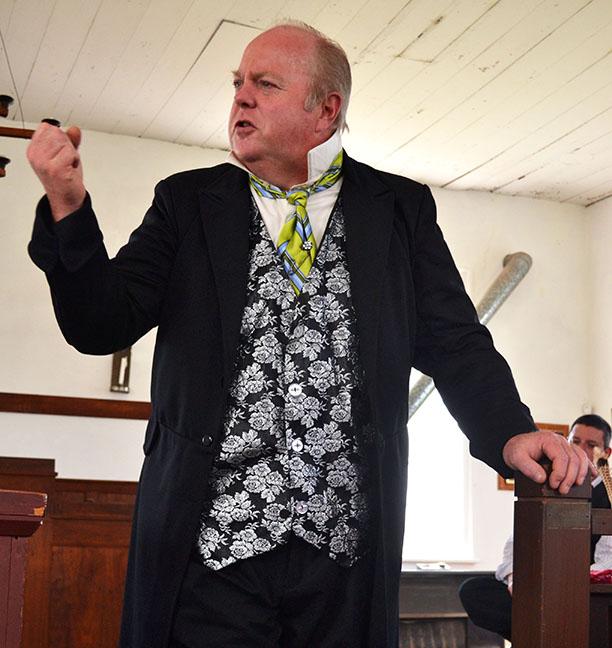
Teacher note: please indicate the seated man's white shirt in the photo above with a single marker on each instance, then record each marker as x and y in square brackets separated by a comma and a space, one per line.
[503, 572]
[319, 206]
[603, 554]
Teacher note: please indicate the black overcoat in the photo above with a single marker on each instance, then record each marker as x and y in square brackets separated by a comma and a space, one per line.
[184, 270]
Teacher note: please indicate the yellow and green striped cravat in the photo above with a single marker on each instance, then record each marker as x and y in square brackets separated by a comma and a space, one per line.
[296, 243]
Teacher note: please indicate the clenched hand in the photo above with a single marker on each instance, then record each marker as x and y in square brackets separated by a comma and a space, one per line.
[570, 464]
[53, 155]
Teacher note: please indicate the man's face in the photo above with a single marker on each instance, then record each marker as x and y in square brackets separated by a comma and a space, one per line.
[268, 125]
[587, 438]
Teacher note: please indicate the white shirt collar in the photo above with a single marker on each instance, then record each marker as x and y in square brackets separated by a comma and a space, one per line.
[319, 158]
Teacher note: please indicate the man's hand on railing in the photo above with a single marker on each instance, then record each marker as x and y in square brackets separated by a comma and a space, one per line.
[570, 464]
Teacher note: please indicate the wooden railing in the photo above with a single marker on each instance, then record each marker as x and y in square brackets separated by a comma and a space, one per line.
[76, 564]
[553, 604]
[21, 514]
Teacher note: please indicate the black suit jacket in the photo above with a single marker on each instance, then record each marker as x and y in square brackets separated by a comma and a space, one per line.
[185, 270]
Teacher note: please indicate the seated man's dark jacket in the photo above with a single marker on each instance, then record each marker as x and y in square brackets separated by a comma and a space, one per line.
[184, 270]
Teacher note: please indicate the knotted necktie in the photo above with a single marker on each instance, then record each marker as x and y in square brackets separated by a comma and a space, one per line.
[296, 243]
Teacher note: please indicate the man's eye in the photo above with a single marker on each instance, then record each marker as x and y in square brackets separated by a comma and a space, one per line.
[266, 84]
[236, 83]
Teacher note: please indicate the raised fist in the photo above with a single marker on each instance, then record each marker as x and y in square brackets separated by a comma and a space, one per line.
[53, 155]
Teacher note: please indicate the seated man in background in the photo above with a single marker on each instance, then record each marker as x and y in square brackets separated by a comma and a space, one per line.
[488, 600]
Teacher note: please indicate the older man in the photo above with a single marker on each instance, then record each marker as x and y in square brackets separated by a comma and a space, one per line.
[293, 288]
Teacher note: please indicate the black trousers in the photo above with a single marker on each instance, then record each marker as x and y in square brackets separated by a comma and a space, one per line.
[291, 597]
[488, 604]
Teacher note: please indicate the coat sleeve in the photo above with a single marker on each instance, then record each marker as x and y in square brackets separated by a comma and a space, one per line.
[453, 348]
[101, 304]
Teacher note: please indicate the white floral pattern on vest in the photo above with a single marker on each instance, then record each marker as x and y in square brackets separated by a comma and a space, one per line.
[293, 458]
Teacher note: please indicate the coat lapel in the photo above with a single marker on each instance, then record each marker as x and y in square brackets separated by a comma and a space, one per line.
[225, 212]
[369, 213]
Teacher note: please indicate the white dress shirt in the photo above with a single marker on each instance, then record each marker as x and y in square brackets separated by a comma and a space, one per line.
[603, 553]
[319, 206]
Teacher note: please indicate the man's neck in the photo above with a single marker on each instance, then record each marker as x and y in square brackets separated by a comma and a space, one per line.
[314, 163]
[281, 176]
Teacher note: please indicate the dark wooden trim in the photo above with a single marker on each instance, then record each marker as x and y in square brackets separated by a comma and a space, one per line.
[601, 521]
[20, 133]
[68, 406]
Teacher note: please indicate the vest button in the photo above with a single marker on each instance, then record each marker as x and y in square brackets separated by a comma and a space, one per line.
[295, 389]
[301, 507]
[297, 445]
[207, 440]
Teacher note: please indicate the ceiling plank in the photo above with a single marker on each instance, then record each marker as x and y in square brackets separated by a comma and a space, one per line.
[6, 10]
[393, 119]
[98, 58]
[549, 81]
[528, 152]
[22, 36]
[181, 110]
[497, 57]
[180, 55]
[596, 195]
[143, 52]
[57, 55]
[258, 14]
[300, 10]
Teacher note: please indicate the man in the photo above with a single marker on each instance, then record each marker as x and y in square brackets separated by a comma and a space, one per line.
[287, 326]
[488, 601]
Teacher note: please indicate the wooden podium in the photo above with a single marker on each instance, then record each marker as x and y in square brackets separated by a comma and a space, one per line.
[21, 513]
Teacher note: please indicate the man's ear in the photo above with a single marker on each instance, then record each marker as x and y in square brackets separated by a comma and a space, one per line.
[607, 452]
[329, 109]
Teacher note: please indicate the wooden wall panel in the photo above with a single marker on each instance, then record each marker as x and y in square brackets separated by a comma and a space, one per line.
[86, 596]
[34, 475]
[77, 560]
[21, 514]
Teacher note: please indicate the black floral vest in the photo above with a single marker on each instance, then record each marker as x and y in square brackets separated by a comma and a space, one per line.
[293, 458]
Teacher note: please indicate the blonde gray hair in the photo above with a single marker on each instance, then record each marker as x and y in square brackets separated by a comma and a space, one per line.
[331, 72]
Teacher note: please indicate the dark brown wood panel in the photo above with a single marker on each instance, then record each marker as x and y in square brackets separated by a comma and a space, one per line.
[86, 596]
[34, 475]
[20, 516]
[76, 568]
[69, 406]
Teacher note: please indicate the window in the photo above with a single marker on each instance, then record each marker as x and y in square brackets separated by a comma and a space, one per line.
[438, 507]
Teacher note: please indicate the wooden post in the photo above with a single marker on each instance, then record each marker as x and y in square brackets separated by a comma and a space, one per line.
[20, 515]
[552, 535]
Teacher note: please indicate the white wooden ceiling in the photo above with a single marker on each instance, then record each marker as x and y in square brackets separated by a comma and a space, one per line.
[512, 96]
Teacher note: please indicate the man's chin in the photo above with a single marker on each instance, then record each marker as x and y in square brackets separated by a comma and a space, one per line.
[246, 155]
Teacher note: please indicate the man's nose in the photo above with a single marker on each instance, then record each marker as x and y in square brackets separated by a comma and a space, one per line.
[244, 95]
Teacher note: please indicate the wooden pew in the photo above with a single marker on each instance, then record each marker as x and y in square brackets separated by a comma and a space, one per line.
[554, 604]
[21, 513]
[76, 565]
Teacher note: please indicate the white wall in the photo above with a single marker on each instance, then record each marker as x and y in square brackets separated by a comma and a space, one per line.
[600, 251]
[542, 329]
